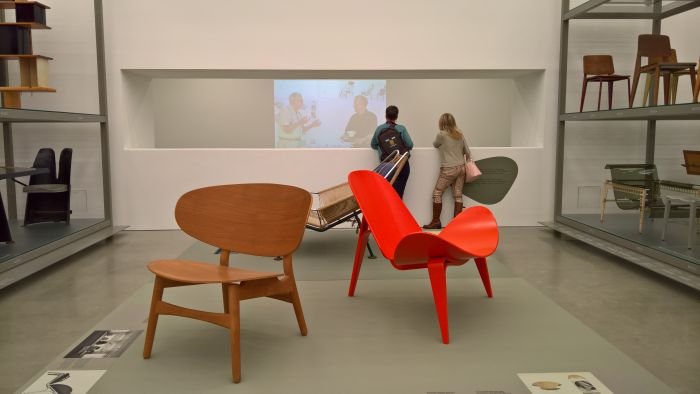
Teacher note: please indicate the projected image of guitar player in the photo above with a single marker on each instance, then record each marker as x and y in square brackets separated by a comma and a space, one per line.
[327, 113]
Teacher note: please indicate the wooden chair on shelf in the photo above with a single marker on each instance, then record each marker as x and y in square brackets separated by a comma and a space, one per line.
[657, 49]
[600, 68]
[692, 162]
[670, 80]
[256, 219]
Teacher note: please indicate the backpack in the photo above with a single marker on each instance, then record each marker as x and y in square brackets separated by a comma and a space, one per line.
[389, 141]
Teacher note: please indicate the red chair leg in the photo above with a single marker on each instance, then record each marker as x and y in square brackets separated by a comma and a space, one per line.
[600, 91]
[610, 94]
[438, 281]
[484, 273]
[362, 239]
[583, 93]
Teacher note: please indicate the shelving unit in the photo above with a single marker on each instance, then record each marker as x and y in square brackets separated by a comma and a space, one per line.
[99, 229]
[655, 11]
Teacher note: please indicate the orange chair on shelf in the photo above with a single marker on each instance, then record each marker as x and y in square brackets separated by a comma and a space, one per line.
[657, 48]
[600, 68]
[472, 234]
[256, 219]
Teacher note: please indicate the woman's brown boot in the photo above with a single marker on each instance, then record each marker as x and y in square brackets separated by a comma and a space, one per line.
[458, 208]
[435, 223]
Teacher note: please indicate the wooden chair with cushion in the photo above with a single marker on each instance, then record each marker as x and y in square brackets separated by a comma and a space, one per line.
[600, 68]
[256, 219]
[670, 80]
[657, 48]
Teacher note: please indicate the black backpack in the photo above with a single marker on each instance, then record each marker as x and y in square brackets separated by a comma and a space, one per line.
[389, 141]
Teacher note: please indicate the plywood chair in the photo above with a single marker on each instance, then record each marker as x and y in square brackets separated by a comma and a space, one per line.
[48, 196]
[657, 47]
[670, 79]
[256, 219]
[473, 234]
[600, 68]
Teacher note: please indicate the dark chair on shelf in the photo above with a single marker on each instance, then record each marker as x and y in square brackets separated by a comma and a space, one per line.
[637, 187]
[48, 196]
[696, 92]
[657, 49]
[600, 68]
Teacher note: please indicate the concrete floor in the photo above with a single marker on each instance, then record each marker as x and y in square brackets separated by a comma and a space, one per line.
[653, 320]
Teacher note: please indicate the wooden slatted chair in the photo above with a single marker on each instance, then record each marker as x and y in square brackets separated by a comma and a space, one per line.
[256, 219]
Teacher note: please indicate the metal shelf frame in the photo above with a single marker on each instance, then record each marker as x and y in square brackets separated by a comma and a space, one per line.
[40, 258]
[656, 11]
[629, 9]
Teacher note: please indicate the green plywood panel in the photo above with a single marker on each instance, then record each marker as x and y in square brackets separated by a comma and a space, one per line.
[498, 175]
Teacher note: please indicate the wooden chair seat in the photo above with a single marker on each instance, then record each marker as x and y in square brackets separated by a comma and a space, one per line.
[667, 66]
[187, 271]
[607, 78]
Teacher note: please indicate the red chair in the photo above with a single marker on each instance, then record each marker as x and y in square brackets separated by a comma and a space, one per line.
[472, 234]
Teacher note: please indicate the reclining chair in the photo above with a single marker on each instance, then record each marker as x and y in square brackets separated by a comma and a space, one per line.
[337, 204]
[48, 196]
[637, 187]
[472, 234]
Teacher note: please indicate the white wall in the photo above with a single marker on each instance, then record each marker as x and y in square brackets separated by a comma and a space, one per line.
[318, 35]
[337, 35]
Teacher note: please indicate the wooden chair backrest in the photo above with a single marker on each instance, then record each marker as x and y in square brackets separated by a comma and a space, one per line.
[259, 219]
[653, 45]
[598, 65]
[692, 161]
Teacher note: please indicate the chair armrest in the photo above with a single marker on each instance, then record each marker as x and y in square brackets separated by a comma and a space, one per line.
[47, 188]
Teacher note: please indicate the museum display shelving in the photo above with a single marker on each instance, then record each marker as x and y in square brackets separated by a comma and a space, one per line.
[43, 255]
[655, 11]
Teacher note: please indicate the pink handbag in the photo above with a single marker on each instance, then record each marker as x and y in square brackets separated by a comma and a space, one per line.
[471, 171]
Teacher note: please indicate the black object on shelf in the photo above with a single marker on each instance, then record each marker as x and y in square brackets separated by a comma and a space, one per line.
[30, 12]
[15, 40]
[48, 196]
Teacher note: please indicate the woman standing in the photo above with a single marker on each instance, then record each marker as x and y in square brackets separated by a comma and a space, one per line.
[453, 151]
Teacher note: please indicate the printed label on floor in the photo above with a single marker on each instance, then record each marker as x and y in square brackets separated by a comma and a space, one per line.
[104, 344]
[564, 383]
[74, 382]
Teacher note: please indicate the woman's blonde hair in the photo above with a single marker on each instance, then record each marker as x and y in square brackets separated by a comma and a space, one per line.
[447, 123]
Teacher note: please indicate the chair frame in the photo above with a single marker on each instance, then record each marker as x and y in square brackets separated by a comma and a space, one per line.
[657, 66]
[417, 249]
[601, 69]
[236, 284]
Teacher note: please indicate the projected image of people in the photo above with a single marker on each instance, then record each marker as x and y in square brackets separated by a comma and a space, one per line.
[294, 122]
[326, 113]
[361, 125]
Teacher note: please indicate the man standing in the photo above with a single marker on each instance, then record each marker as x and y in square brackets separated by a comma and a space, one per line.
[361, 124]
[391, 132]
[294, 123]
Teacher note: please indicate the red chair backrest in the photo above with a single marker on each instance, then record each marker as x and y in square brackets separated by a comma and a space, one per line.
[386, 214]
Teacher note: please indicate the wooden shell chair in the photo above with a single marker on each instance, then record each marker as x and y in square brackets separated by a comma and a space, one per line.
[472, 234]
[600, 68]
[256, 219]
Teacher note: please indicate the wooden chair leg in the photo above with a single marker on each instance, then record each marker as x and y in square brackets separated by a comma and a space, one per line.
[635, 82]
[655, 89]
[583, 93]
[629, 99]
[362, 239]
[294, 295]
[694, 84]
[224, 292]
[647, 88]
[674, 88]
[600, 90]
[667, 87]
[158, 287]
[484, 273]
[610, 94]
[438, 282]
[235, 330]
